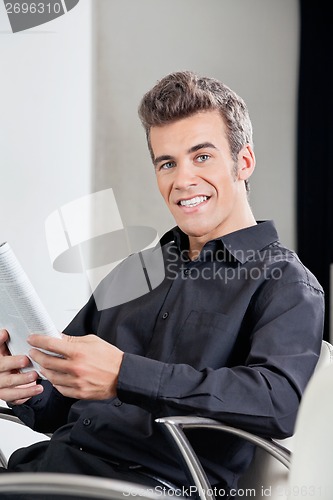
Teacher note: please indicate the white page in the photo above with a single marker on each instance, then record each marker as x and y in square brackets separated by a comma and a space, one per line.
[21, 310]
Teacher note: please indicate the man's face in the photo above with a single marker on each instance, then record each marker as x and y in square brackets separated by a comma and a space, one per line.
[196, 175]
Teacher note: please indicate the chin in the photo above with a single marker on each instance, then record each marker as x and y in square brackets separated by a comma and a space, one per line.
[195, 232]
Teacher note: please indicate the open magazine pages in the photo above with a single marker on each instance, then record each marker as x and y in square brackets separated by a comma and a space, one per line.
[21, 310]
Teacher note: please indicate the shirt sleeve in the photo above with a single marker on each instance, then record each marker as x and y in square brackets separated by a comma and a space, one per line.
[261, 396]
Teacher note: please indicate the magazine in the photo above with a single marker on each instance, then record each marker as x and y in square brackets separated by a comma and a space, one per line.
[21, 310]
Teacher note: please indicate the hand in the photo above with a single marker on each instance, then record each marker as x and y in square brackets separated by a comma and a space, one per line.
[15, 387]
[88, 368]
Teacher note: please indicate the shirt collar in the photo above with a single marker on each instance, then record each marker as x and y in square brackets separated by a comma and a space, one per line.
[244, 243]
[241, 244]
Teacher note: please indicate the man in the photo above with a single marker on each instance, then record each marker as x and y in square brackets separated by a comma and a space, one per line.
[233, 331]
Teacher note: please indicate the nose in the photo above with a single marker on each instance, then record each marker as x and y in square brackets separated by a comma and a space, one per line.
[185, 177]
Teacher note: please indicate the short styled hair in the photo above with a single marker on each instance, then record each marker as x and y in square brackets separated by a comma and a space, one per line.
[182, 94]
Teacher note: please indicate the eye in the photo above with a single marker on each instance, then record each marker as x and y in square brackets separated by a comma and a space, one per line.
[167, 165]
[202, 158]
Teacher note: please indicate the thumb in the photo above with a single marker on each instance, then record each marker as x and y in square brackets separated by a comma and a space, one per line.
[4, 335]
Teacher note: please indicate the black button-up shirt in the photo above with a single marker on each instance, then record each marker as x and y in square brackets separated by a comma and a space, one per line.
[233, 335]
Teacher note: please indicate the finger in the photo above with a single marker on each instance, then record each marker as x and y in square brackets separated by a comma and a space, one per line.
[19, 395]
[55, 345]
[30, 384]
[3, 339]
[8, 380]
[4, 351]
[14, 363]
[4, 336]
[49, 361]
[58, 378]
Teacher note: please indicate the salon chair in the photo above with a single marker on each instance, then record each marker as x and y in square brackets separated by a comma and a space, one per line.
[279, 469]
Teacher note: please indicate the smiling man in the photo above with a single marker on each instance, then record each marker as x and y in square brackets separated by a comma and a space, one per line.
[233, 331]
[201, 183]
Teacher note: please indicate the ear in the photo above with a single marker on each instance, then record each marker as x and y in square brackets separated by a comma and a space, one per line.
[246, 162]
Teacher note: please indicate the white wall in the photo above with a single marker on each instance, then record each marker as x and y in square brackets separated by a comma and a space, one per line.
[251, 45]
[64, 101]
[45, 143]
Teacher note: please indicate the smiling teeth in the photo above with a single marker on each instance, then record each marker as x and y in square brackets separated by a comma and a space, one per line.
[193, 202]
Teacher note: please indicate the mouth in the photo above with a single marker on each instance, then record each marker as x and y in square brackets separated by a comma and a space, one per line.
[193, 202]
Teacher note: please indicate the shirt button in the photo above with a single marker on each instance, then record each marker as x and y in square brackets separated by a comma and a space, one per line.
[165, 315]
[86, 421]
[118, 403]
[186, 272]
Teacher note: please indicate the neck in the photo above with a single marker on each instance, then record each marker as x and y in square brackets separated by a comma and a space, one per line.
[197, 243]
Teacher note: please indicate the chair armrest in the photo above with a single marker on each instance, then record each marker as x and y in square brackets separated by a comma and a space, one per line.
[73, 485]
[174, 428]
[25, 437]
[5, 410]
[8, 414]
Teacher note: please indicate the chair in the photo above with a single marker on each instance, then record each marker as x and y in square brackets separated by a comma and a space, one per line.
[311, 470]
[73, 485]
[268, 475]
[12, 426]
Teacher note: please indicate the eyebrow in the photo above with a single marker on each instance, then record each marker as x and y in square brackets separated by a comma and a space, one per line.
[161, 158]
[203, 145]
[193, 149]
